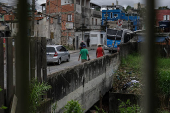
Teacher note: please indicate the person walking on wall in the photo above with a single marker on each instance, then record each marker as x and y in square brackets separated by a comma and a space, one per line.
[84, 54]
[99, 51]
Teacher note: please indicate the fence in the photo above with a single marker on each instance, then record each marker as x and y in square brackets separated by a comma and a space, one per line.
[37, 66]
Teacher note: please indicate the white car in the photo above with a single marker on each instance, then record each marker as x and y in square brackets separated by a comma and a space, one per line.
[57, 54]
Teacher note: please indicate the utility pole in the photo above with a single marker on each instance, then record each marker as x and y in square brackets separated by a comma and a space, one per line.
[33, 16]
[49, 21]
[74, 24]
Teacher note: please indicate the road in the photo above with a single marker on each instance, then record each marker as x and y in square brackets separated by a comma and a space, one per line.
[51, 68]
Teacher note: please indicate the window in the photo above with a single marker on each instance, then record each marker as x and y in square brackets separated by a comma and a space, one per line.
[59, 48]
[52, 35]
[69, 17]
[166, 17]
[63, 48]
[111, 15]
[96, 21]
[59, 19]
[92, 21]
[50, 49]
[115, 15]
[105, 15]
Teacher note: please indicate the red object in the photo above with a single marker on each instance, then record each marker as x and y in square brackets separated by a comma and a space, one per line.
[118, 49]
[56, 54]
[160, 15]
[99, 52]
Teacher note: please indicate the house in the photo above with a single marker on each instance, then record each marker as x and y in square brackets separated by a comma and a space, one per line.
[6, 16]
[163, 20]
[139, 6]
[80, 21]
[115, 13]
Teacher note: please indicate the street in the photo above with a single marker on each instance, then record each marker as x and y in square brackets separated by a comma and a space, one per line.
[52, 68]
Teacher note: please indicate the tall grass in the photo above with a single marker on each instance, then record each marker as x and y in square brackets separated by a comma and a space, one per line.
[133, 61]
[163, 75]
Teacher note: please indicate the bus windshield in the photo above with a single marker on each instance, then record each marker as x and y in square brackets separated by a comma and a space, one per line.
[111, 32]
[114, 32]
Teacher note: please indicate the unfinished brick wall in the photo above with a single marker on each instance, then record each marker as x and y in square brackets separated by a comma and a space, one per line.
[54, 6]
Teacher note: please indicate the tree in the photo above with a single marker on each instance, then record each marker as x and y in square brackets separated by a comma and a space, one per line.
[163, 7]
[128, 7]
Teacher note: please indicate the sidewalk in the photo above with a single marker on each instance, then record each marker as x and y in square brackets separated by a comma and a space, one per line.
[77, 51]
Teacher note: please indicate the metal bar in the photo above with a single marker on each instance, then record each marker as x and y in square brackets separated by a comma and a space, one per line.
[2, 97]
[10, 87]
[22, 59]
[149, 59]
[39, 61]
[32, 56]
[44, 61]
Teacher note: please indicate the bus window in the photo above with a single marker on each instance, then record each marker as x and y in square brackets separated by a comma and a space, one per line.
[119, 33]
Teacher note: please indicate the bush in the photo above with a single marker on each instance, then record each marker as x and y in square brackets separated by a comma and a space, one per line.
[73, 107]
[163, 78]
[37, 90]
[126, 107]
[132, 61]
[2, 107]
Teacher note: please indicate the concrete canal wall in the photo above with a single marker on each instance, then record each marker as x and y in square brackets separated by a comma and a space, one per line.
[85, 82]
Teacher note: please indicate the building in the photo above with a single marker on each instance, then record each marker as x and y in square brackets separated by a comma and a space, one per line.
[80, 21]
[163, 20]
[115, 13]
[6, 18]
[139, 6]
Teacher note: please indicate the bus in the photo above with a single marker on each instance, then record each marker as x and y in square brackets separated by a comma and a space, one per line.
[115, 37]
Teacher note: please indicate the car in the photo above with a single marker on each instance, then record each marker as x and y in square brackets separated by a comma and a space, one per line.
[57, 54]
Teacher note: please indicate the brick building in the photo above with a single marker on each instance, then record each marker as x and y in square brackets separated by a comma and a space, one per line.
[163, 14]
[78, 19]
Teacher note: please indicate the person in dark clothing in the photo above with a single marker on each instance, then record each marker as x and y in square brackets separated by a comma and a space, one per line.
[88, 42]
[82, 45]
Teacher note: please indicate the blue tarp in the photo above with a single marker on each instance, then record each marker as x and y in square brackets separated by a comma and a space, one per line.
[158, 39]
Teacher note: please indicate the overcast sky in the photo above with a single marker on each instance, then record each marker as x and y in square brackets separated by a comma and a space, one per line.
[109, 2]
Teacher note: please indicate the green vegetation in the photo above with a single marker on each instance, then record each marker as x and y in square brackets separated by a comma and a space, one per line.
[2, 107]
[54, 107]
[37, 90]
[73, 107]
[68, 47]
[163, 7]
[127, 107]
[130, 69]
[132, 61]
[98, 110]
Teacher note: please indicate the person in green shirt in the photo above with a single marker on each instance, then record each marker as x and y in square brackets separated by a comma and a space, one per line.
[83, 54]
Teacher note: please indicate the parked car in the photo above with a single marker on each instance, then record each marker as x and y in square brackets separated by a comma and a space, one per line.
[57, 54]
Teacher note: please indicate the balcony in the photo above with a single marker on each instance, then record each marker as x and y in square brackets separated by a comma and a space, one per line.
[94, 27]
[86, 12]
[95, 13]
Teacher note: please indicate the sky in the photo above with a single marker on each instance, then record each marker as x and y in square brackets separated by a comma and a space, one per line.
[109, 2]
